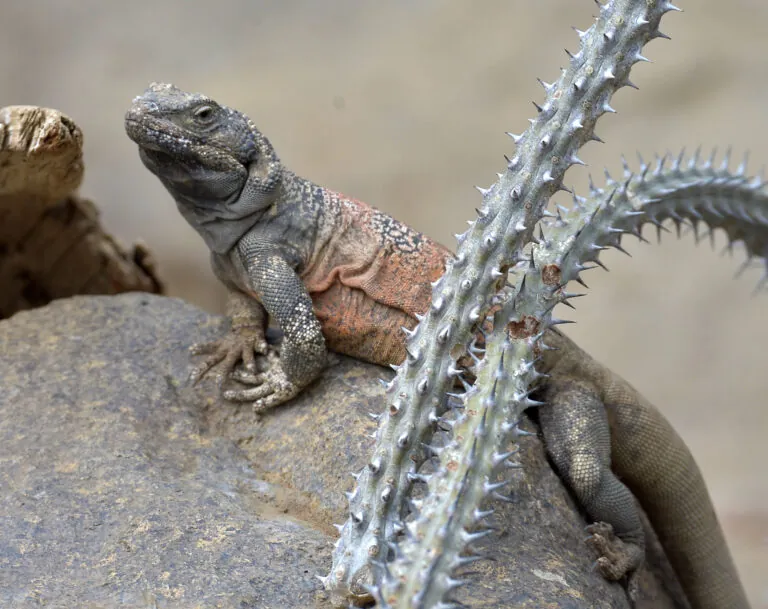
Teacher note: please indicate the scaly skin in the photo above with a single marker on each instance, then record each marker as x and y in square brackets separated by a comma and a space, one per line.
[609, 444]
[337, 273]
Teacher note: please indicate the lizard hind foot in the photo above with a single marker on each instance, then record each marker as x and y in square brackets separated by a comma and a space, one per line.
[617, 558]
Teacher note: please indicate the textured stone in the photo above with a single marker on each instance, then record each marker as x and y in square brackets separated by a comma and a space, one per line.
[120, 486]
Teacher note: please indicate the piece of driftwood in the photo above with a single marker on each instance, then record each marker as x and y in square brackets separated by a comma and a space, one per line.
[51, 242]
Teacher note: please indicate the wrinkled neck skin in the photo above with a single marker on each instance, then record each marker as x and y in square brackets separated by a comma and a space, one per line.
[222, 223]
[220, 205]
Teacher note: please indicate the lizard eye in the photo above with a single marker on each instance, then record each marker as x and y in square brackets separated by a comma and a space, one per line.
[204, 113]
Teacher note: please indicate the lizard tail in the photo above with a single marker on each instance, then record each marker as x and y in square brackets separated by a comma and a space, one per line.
[657, 466]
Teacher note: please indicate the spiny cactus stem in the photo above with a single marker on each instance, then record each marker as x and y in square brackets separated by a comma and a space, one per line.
[421, 576]
[495, 241]
[422, 573]
[698, 193]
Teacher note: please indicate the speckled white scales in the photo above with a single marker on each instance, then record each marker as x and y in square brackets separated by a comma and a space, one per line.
[461, 299]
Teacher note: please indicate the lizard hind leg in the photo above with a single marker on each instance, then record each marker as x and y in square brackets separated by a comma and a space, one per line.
[578, 440]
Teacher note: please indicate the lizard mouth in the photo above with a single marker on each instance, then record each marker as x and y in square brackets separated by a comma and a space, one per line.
[150, 137]
[195, 165]
[163, 143]
[156, 156]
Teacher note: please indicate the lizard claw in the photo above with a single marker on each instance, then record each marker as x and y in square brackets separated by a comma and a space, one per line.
[241, 344]
[247, 377]
[271, 389]
[616, 558]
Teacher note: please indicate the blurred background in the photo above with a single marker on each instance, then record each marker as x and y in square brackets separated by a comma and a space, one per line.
[403, 104]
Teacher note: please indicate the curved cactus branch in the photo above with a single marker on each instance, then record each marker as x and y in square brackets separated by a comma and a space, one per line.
[696, 192]
[422, 574]
[469, 464]
[462, 298]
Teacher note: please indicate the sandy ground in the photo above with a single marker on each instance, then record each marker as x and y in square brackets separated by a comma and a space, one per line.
[403, 104]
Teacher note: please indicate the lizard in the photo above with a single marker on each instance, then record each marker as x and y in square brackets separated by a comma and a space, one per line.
[337, 274]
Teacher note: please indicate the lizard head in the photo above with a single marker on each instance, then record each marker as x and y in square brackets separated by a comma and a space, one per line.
[219, 168]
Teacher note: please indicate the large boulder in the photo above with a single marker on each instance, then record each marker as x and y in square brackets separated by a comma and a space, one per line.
[121, 486]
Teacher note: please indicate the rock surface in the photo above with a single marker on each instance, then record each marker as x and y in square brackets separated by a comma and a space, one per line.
[122, 487]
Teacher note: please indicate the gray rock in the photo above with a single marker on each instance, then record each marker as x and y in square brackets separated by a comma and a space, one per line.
[120, 486]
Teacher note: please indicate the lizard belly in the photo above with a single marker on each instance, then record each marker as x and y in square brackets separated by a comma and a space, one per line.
[356, 325]
[369, 276]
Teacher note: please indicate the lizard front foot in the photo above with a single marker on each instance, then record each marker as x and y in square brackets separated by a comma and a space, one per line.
[240, 344]
[272, 387]
[616, 558]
